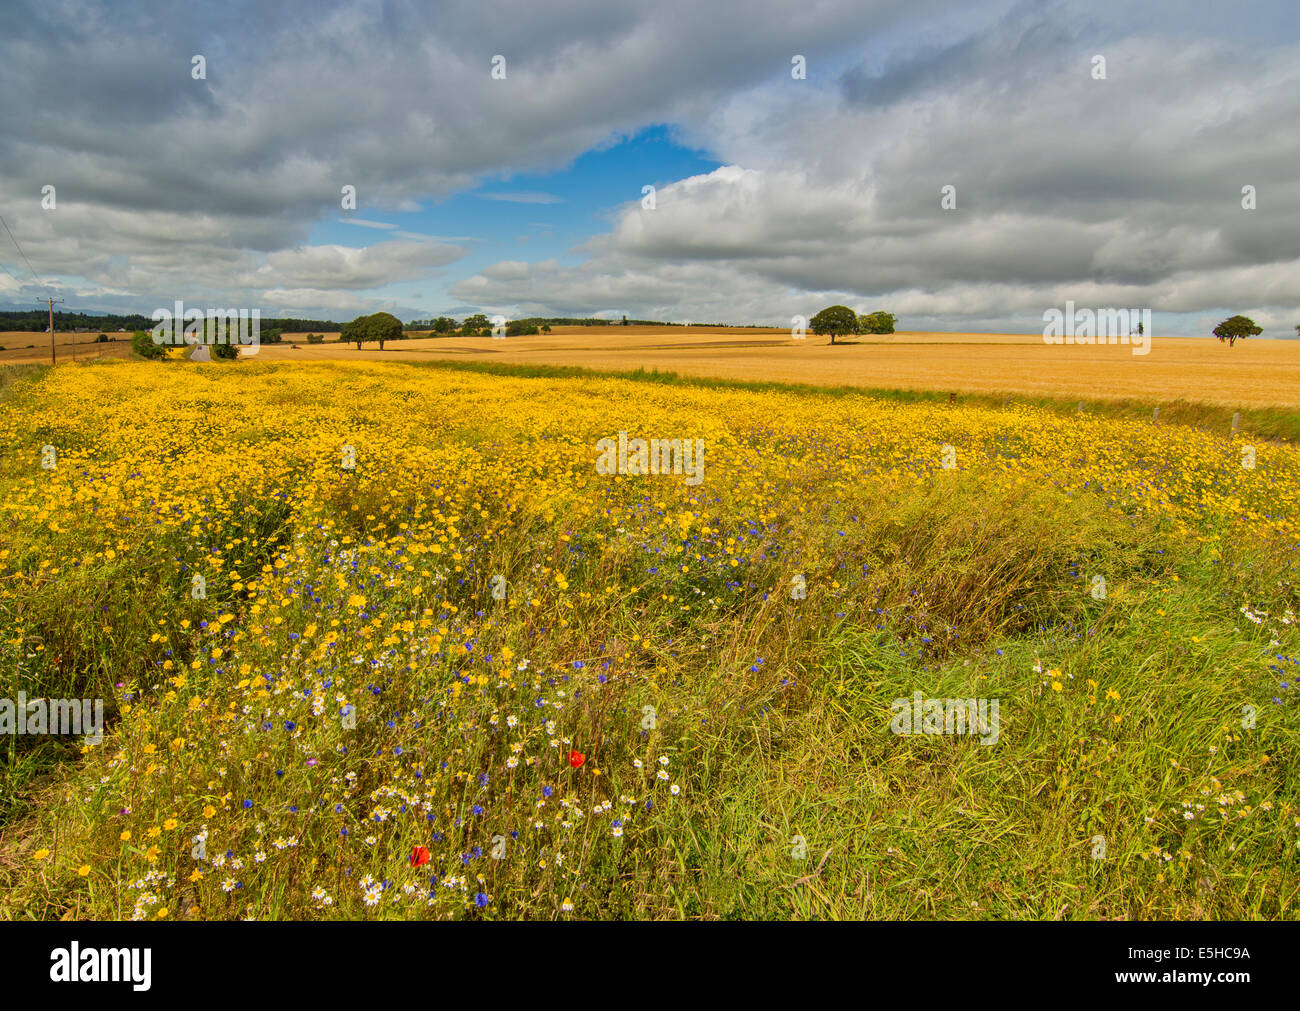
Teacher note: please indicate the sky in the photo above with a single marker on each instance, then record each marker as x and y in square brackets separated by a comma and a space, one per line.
[1097, 152]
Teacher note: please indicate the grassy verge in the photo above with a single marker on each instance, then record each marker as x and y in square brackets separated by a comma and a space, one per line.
[12, 376]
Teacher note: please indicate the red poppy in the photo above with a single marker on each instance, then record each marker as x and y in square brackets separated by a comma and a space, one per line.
[419, 855]
[576, 758]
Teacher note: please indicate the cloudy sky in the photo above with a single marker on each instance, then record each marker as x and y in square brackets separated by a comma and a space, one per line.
[1097, 151]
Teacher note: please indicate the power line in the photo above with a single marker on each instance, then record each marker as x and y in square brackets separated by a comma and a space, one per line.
[22, 254]
[51, 301]
[9, 272]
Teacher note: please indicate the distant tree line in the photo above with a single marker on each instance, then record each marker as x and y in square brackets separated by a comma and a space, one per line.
[445, 324]
[37, 319]
[364, 329]
[835, 321]
[728, 326]
[67, 322]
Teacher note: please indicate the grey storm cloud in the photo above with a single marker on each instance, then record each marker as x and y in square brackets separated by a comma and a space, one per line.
[1127, 188]
[302, 98]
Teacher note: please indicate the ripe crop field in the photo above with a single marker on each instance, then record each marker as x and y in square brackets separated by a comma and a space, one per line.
[384, 640]
[1260, 373]
[22, 347]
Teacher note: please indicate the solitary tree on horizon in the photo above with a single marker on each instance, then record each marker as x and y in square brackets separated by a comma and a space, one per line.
[382, 326]
[835, 320]
[1236, 328]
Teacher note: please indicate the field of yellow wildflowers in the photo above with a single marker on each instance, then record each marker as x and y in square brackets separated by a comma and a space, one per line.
[379, 641]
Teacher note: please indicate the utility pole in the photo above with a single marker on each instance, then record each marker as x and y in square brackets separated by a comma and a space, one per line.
[51, 301]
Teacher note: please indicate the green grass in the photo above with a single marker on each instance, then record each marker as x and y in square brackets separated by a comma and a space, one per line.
[13, 376]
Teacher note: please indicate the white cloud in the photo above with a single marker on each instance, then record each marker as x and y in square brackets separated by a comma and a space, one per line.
[318, 298]
[1122, 192]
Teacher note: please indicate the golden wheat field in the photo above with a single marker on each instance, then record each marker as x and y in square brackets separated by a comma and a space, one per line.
[1257, 373]
[20, 347]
